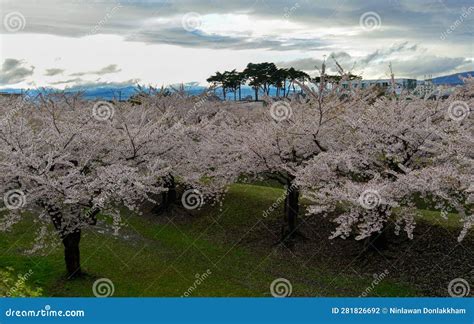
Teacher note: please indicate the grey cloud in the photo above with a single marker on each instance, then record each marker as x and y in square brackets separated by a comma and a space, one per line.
[418, 64]
[10, 64]
[180, 37]
[78, 83]
[421, 20]
[79, 74]
[112, 68]
[312, 64]
[75, 80]
[109, 69]
[90, 84]
[431, 65]
[384, 53]
[53, 72]
[13, 71]
[306, 64]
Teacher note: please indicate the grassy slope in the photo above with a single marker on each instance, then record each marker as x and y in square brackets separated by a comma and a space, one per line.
[162, 258]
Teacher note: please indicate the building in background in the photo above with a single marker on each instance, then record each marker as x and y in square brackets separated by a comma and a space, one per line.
[400, 84]
[426, 87]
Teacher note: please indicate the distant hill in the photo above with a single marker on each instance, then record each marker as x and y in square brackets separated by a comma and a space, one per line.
[453, 79]
[124, 92]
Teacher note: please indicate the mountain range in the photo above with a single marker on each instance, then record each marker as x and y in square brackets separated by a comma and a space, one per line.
[111, 92]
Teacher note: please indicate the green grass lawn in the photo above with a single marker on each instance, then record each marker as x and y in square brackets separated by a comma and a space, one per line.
[161, 257]
[450, 221]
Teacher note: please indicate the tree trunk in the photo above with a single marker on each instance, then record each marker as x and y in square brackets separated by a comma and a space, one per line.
[70, 236]
[256, 94]
[72, 253]
[240, 93]
[171, 193]
[291, 211]
[168, 198]
[381, 241]
[376, 242]
[288, 89]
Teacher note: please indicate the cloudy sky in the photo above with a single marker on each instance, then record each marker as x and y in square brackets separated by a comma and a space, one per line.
[65, 43]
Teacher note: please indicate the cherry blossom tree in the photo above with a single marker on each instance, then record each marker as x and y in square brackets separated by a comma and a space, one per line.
[188, 122]
[393, 152]
[71, 159]
[65, 159]
[278, 140]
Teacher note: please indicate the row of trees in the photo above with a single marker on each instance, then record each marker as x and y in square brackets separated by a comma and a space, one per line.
[262, 76]
[360, 160]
